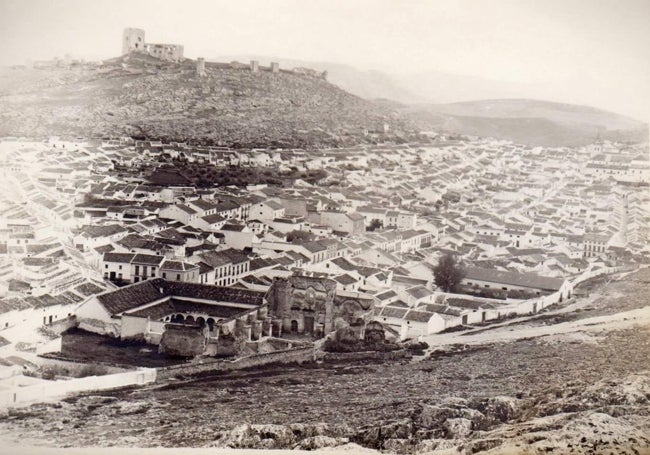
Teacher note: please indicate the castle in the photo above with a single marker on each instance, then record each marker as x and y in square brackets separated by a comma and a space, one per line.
[133, 41]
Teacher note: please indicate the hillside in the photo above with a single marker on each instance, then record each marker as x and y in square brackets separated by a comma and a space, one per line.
[368, 84]
[529, 121]
[138, 95]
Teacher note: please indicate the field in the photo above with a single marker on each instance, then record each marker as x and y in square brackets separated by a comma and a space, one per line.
[585, 390]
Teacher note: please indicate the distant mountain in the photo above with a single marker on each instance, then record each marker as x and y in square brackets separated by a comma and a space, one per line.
[142, 96]
[503, 111]
[528, 121]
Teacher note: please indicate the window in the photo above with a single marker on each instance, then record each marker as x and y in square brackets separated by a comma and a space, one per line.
[120, 267]
[164, 274]
[105, 266]
[178, 276]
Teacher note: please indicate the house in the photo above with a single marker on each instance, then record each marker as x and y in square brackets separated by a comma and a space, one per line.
[180, 271]
[348, 223]
[180, 212]
[267, 210]
[594, 245]
[145, 266]
[117, 266]
[228, 265]
[238, 236]
[93, 236]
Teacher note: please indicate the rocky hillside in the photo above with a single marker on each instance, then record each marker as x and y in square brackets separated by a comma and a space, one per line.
[138, 95]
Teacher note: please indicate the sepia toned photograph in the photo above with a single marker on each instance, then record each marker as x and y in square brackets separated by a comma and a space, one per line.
[366, 227]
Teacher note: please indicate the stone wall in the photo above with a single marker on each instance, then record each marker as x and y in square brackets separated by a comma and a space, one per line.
[20, 396]
[183, 340]
[365, 355]
[298, 355]
[62, 325]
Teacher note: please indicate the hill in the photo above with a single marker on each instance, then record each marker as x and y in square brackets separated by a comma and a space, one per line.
[367, 84]
[141, 96]
[529, 121]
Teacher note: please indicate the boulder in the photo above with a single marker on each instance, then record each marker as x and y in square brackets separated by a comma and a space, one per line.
[497, 409]
[318, 442]
[458, 428]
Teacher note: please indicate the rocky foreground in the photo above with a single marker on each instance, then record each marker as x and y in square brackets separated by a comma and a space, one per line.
[582, 393]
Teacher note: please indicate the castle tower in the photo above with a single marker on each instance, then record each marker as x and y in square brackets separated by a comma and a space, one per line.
[255, 66]
[275, 67]
[200, 67]
[132, 40]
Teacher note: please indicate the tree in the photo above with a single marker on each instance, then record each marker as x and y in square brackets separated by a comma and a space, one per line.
[448, 273]
[375, 224]
[297, 236]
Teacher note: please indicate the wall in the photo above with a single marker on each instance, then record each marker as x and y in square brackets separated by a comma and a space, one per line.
[133, 327]
[62, 325]
[366, 355]
[297, 355]
[18, 396]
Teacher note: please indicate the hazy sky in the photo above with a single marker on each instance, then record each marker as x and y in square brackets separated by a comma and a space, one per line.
[593, 52]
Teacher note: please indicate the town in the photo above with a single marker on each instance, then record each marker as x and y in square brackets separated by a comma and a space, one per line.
[144, 241]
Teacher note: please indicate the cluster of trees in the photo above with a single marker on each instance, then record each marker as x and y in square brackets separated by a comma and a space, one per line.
[207, 175]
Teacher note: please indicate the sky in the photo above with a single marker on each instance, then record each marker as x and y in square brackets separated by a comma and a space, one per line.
[594, 52]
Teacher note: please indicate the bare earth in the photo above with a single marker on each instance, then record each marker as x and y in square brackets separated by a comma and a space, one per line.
[573, 380]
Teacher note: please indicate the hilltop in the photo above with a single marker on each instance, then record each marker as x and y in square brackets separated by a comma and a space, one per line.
[530, 122]
[141, 96]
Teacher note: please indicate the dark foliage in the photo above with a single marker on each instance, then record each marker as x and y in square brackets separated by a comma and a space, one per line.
[448, 273]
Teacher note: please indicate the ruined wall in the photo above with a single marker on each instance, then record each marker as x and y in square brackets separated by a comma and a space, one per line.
[133, 327]
[183, 340]
[101, 327]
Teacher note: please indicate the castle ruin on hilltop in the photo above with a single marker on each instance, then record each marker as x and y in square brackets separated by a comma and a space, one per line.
[133, 41]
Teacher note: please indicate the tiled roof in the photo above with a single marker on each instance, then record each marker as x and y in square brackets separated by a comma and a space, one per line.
[391, 312]
[419, 292]
[177, 266]
[134, 296]
[148, 259]
[418, 316]
[529, 280]
[118, 257]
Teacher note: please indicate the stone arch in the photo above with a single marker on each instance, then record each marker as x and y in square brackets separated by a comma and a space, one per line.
[210, 322]
[189, 319]
[200, 321]
[178, 318]
[294, 326]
